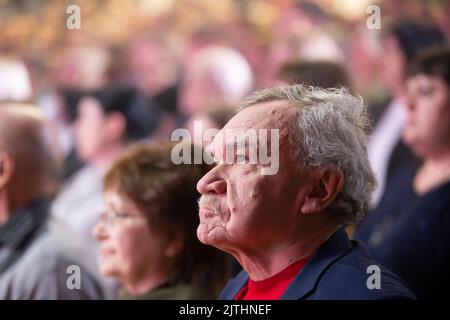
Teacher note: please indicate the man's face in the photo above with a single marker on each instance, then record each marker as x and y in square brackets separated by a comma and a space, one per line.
[241, 208]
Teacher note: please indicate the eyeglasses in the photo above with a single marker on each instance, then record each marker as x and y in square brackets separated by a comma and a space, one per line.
[108, 218]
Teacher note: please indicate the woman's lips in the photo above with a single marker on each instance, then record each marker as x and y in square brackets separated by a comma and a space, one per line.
[106, 252]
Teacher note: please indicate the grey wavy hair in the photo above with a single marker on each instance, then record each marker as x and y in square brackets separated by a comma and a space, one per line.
[330, 130]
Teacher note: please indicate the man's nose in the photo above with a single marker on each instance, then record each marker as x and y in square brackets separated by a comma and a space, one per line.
[212, 183]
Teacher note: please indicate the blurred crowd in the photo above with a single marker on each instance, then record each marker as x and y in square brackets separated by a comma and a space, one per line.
[88, 116]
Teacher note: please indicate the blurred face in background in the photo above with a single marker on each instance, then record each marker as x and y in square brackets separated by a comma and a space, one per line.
[88, 128]
[83, 67]
[130, 249]
[199, 91]
[95, 131]
[427, 128]
[153, 68]
[392, 64]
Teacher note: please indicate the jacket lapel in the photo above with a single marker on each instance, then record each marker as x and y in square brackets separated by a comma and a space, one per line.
[234, 286]
[305, 282]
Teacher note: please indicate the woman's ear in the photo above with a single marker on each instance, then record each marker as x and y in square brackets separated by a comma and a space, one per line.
[6, 169]
[326, 183]
[117, 125]
[174, 246]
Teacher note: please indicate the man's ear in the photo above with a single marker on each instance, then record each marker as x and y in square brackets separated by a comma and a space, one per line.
[326, 184]
[7, 167]
[117, 125]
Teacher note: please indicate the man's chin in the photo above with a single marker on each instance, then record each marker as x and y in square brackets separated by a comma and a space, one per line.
[210, 235]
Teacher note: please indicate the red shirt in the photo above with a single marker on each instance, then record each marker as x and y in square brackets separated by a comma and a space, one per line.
[271, 288]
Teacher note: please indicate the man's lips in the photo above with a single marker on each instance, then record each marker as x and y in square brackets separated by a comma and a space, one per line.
[206, 213]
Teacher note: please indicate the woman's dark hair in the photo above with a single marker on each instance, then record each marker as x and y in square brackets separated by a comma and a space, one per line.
[166, 195]
[414, 36]
[434, 61]
[141, 117]
[70, 99]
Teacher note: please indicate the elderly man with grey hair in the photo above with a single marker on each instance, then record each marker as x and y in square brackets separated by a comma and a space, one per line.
[287, 229]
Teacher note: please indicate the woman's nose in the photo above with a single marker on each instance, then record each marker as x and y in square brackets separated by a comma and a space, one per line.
[98, 231]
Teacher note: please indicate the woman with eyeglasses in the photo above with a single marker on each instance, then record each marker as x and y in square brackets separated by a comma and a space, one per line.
[147, 231]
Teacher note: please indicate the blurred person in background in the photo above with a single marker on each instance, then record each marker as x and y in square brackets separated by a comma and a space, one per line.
[324, 74]
[64, 114]
[210, 118]
[387, 152]
[298, 34]
[15, 84]
[77, 68]
[107, 120]
[84, 67]
[35, 251]
[147, 229]
[409, 230]
[216, 75]
[155, 72]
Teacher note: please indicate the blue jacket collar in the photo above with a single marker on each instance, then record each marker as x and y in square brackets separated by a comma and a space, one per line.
[333, 249]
